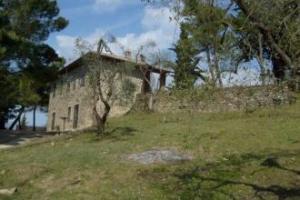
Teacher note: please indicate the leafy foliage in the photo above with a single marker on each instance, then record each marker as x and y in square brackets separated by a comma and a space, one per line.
[239, 31]
[108, 81]
[186, 63]
[278, 22]
[28, 64]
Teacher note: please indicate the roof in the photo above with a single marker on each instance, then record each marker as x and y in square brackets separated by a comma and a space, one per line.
[76, 63]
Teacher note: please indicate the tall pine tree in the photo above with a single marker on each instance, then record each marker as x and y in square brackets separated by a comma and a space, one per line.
[24, 27]
[186, 70]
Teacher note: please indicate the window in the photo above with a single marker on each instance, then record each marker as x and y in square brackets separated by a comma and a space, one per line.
[75, 118]
[74, 84]
[69, 114]
[53, 121]
[68, 87]
[82, 81]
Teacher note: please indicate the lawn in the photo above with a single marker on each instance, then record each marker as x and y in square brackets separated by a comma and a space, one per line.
[235, 156]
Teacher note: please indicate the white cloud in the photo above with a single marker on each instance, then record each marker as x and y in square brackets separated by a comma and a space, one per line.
[246, 76]
[156, 24]
[111, 5]
[158, 28]
[65, 46]
[158, 18]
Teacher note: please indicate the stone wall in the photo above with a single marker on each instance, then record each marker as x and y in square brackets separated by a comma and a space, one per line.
[65, 97]
[221, 100]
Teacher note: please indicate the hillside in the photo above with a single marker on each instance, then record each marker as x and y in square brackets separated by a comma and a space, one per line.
[235, 156]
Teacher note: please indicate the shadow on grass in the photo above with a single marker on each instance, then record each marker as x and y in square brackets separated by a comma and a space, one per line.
[228, 179]
[117, 134]
[15, 138]
[121, 133]
[198, 187]
[272, 162]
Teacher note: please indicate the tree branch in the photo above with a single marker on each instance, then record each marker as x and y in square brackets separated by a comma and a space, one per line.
[266, 31]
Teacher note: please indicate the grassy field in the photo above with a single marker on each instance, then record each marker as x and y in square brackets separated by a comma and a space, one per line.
[236, 156]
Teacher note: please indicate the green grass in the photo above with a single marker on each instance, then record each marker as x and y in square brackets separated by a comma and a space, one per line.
[236, 156]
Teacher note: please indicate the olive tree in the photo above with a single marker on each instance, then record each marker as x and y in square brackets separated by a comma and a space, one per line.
[108, 82]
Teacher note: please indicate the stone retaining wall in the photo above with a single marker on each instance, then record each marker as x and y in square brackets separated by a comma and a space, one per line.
[221, 100]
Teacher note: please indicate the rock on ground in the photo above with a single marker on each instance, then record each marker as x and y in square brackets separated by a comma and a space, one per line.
[8, 192]
[158, 156]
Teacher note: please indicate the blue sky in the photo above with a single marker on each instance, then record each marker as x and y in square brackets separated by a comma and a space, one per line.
[131, 21]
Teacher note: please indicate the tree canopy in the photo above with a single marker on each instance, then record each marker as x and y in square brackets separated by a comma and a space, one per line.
[26, 62]
[238, 31]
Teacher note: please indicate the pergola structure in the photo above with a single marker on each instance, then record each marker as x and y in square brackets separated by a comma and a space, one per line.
[147, 77]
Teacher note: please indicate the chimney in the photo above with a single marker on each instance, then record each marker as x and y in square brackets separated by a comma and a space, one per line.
[127, 54]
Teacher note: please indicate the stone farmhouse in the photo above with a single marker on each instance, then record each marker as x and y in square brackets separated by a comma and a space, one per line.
[70, 106]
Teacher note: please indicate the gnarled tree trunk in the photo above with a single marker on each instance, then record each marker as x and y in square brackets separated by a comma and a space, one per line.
[101, 118]
[278, 68]
[17, 118]
[282, 60]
